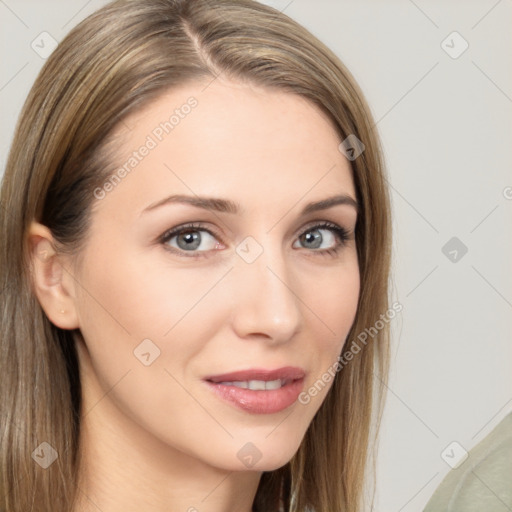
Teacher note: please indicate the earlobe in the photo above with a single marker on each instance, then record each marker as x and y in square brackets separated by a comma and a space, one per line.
[51, 280]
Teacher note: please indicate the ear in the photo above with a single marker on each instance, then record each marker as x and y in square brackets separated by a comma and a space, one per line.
[52, 281]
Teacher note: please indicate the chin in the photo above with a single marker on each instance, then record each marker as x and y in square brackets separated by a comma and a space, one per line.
[267, 453]
[273, 463]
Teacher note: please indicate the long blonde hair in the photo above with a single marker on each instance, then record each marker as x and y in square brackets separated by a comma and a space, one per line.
[118, 60]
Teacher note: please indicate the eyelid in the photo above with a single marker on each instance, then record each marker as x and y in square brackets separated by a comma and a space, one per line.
[321, 223]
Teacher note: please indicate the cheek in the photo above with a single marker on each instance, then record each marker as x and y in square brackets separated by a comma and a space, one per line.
[136, 309]
[332, 302]
[139, 296]
[333, 308]
[141, 330]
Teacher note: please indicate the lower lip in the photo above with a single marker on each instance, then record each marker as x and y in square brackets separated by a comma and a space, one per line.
[259, 401]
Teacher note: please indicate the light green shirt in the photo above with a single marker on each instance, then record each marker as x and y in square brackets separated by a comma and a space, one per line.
[483, 482]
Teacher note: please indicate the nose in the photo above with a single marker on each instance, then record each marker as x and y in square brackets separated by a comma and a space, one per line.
[266, 300]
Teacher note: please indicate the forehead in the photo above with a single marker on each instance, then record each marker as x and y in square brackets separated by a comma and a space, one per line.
[262, 146]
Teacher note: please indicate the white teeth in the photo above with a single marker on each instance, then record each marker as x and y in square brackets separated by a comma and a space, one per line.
[273, 384]
[255, 385]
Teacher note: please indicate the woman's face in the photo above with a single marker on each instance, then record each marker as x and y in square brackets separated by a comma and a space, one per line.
[199, 339]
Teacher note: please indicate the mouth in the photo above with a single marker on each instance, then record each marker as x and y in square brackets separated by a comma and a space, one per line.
[259, 391]
[256, 385]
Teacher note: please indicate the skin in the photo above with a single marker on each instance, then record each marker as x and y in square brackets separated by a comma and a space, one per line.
[154, 437]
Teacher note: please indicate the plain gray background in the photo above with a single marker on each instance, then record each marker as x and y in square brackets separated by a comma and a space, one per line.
[446, 126]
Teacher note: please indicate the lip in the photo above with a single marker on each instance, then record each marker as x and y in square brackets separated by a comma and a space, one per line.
[266, 401]
[284, 373]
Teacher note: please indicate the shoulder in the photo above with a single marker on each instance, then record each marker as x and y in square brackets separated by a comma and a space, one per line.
[483, 481]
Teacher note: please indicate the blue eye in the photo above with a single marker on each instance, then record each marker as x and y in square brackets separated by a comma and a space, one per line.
[333, 234]
[191, 237]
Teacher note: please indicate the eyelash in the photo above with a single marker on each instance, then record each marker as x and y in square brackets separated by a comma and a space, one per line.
[340, 233]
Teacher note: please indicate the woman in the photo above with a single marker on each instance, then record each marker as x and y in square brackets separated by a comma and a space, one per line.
[196, 242]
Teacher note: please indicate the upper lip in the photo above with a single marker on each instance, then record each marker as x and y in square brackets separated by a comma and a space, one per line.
[284, 373]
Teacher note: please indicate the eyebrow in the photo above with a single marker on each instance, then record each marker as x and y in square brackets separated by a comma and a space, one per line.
[227, 206]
